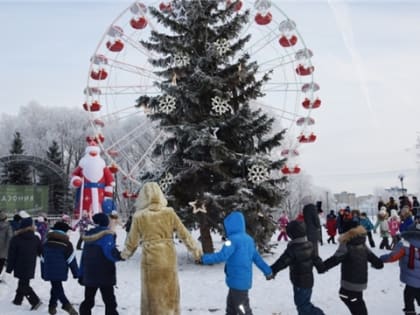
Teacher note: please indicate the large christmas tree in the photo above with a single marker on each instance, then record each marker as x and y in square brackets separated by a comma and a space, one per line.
[215, 150]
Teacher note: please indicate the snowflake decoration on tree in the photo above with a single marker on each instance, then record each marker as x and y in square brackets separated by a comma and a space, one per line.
[222, 46]
[167, 104]
[166, 181]
[180, 60]
[258, 173]
[220, 106]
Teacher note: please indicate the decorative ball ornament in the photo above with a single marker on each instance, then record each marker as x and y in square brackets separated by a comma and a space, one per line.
[166, 181]
[220, 105]
[167, 104]
[258, 173]
[181, 60]
[222, 46]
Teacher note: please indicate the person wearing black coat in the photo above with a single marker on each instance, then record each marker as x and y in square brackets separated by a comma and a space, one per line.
[313, 225]
[300, 257]
[24, 248]
[353, 255]
[97, 266]
[57, 256]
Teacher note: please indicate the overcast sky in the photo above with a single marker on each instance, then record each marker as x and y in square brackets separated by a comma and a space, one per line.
[366, 55]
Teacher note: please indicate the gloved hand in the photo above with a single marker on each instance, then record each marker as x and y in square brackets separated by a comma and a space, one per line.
[270, 276]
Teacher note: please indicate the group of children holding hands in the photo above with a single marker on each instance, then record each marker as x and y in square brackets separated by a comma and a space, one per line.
[96, 270]
[352, 254]
[97, 265]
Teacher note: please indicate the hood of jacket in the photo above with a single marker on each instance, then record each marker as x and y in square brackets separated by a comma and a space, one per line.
[354, 235]
[151, 197]
[96, 233]
[296, 229]
[412, 235]
[57, 235]
[234, 223]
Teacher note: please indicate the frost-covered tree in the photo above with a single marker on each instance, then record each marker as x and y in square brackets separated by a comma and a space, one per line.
[54, 155]
[18, 173]
[40, 125]
[215, 149]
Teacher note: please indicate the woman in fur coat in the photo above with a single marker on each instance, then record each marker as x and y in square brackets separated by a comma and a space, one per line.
[154, 225]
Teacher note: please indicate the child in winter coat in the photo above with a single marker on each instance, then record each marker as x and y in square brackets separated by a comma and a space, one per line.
[299, 256]
[24, 248]
[83, 224]
[331, 226]
[97, 266]
[353, 255]
[6, 234]
[368, 225]
[239, 252]
[282, 222]
[41, 227]
[57, 257]
[406, 218]
[406, 252]
[394, 227]
[383, 229]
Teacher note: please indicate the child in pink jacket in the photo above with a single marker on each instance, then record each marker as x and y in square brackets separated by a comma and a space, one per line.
[283, 222]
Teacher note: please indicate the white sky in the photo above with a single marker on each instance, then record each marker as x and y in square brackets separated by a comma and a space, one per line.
[366, 58]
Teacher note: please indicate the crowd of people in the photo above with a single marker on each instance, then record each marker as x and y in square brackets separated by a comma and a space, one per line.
[152, 226]
[23, 239]
[399, 228]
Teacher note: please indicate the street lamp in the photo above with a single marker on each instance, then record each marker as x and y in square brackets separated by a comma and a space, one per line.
[401, 178]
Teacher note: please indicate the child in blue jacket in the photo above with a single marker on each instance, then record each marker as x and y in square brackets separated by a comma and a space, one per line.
[239, 252]
[407, 252]
[57, 256]
[97, 266]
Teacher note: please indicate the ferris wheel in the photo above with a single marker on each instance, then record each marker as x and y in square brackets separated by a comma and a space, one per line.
[119, 73]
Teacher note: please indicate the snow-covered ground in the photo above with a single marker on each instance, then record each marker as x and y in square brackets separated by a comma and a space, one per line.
[203, 290]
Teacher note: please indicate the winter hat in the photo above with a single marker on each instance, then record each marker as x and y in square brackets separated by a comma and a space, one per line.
[26, 222]
[394, 213]
[66, 218]
[101, 219]
[349, 224]
[62, 226]
[296, 229]
[3, 216]
[23, 214]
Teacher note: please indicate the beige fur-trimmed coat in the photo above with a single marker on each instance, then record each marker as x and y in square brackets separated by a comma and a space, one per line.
[153, 226]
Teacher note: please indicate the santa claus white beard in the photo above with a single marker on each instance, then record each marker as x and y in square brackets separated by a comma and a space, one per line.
[93, 167]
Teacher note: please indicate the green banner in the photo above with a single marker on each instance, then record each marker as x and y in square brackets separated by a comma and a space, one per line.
[30, 198]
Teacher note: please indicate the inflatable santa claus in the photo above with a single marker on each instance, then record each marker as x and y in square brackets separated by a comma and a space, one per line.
[94, 182]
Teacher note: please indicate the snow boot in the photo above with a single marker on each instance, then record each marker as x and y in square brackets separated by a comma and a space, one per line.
[18, 299]
[52, 309]
[70, 309]
[36, 306]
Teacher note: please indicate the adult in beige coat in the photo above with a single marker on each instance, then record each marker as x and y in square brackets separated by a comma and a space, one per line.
[153, 227]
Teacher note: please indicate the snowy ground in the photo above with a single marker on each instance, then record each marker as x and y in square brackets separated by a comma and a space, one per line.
[203, 290]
